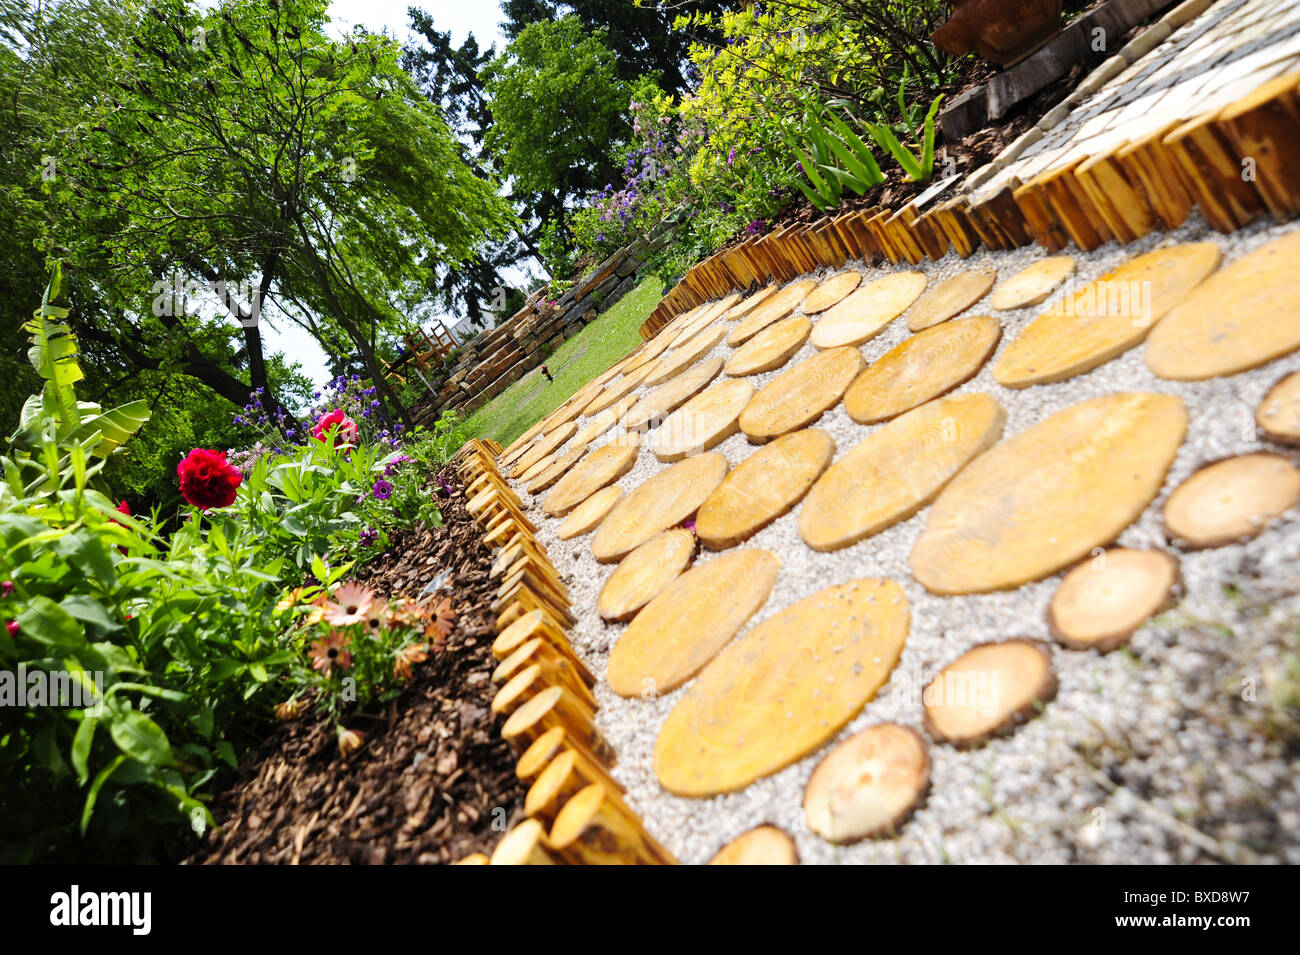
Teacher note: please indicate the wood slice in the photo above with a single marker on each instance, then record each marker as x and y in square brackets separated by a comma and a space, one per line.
[531, 474]
[525, 844]
[799, 396]
[763, 487]
[624, 386]
[771, 348]
[743, 308]
[774, 309]
[762, 845]
[1278, 415]
[655, 405]
[603, 421]
[868, 785]
[862, 316]
[1236, 320]
[653, 349]
[1105, 318]
[951, 297]
[1232, 499]
[542, 448]
[681, 629]
[706, 318]
[602, 467]
[1032, 284]
[988, 690]
[1042, 500]
[898, 469]
[595, 828]
[830, 292]
[922, 368]
[706, 420]
[557, 465]
[678, 360]
[642, 574]
[782, 690]
[664, 501]
[1102, 602]
[585, 518]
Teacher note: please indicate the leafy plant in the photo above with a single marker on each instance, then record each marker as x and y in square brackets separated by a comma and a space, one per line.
[840, 159]
[919, 168]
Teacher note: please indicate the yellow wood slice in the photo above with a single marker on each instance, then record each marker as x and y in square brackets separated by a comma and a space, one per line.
[898, 469]
[1236, 320]
[642, 574]
[542, 448]
[1032, 284]
[664, 501]
[706, 318]
[517, 446]
[572, 409]
[951, 297]
[1102, 602]
[559, 463]
[763, 487]
[799, 396]
[762, 845]
[544, 464]
[863, 315]
[1278, 415]
[1105, 318]
[617, 390]
[1232, 500]
[783, 689]
[743, 308]
[656, 404]
[868, 785]
[653, 349]
[584, 518]
[988, 690]
[670, 330]
[774, 309]
[706, 420]
[678, 360]
[525, 844]
[1043, 499]
[771, 348]
[604, 420]
[922, 368]
[830, 292]
[603, 466]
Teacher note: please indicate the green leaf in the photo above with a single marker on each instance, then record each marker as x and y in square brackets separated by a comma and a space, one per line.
[46, 622]
[100, 778]
[141, 738]
[888, 141]
[81, 748]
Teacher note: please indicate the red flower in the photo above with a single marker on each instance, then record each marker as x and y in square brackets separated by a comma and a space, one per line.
[12, 627]
[345, 429]
[207, 480]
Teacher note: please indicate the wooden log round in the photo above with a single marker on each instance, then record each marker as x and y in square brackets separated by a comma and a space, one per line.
[950, 297]
[620, 388]
[800, 395]
[553, 707]
[1101, 602]
[539, 623]
[539, 754]
[561, 780]
[774, 309]
[1040, 501]
[1032, 284]
[868, 785]
[922, 368]
[644, 573]
[744, 307]
[763, 487]
[988, 691]
[771, 348]
[656, 405]
[706, 318]
[542, 448]
[601, 468]
[679, 359]
[525, 844]
[1231, 500]
[782, 690]
[1278, 415]
[898, 469]
[830, 292]
[474, 858]
[706, 420]
[520, 688]
[604, 420]
[586, 517]
[555, 668]
[762, 845]
[592, 829]
[653, 349]
[865, 313]
[663, 501]
[556, 466]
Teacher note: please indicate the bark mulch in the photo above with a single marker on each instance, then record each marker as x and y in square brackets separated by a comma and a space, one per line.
[434, 781]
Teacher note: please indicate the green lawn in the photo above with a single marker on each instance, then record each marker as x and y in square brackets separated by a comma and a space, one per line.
[576, 362]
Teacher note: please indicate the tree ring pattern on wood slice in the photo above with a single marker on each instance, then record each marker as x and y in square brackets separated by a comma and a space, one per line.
[868, 785]
[603, 466]
[1040, 501]
[656, 404]
[744, 307]
[763, 487]
[774, 309]
[584, 518]
[1232, 500]
[801, 394]
[1032, 284]
[921, 368]
[1278, 415]
[830, 292]
[898, 469]
[951, 297]
[865, 313]
[678, 360]
[556, 465]
[663, 501]
[1102, 601]
[604, 420]
[708, 419]
[542, 448]
[616, 390]
[705, 319]
[783, 689]
[762, 845]
[771, 348]
[644, 573]
[989, 690]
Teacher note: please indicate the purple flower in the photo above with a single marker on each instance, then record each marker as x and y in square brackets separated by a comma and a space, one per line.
[731, 156]
[368, 536]
[382, 490]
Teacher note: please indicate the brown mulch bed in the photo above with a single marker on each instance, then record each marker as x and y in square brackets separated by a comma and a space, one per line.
[434, 781]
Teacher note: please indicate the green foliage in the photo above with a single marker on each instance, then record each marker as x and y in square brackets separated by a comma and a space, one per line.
[919, 167]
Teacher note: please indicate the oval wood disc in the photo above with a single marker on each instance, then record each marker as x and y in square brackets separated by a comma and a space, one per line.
[783, 689]
[771, 348]
[586, 516]
[1032, 284]
[521, 844]
[951, 297]
[799, 396]
[1042, 500]
[868, 785]
[1106, 598]
[898, 469]
[653, 349]
[664, 501]
[708, 419]
[617, 390]
[743, 308]
[604, 420]
[830, 292]
[670, 330]
[763, 487]
[1105, 318]
[679, 359]
[706, 318]
[680, 630]
[603, 466]
[1236, 320]
[862, 316]
[1232, 500]
[517, 446]
[1278, 415]
[988, 690]
[558, 464]
[542, 448]
[762, 845]
[529, 476]
[656, 404]
[645, 572]
[774, 309]
[921, 368]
